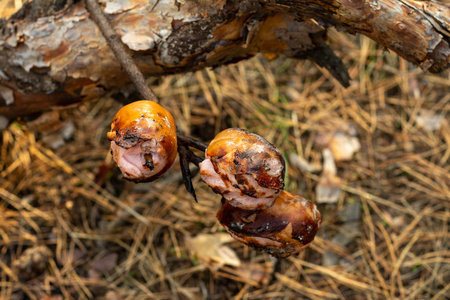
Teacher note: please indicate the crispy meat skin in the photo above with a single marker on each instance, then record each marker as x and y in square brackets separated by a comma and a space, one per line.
[247, 194]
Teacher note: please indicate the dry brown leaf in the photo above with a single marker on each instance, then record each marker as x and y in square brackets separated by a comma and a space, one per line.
[304, 165]
[209, 248]
[344, 146]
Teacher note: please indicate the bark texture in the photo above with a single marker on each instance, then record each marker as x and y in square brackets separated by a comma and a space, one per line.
[57, 56]
[418, 30]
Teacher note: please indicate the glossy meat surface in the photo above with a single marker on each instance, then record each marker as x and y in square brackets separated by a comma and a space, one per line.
[143, 140]
[246, 194]
[244, 168]
[283, 229]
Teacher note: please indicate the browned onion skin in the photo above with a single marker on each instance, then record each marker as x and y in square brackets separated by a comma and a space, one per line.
[143, 140]
[283, 229]
[244, 168]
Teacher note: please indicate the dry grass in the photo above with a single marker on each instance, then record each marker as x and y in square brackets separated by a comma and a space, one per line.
[73, 200]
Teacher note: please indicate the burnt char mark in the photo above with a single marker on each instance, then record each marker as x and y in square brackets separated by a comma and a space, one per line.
[248, 161]
[225, 179]
[245, 186]
[215, 161]
[245, 154]
[131, 139]
[242, 179]
[219, 191]
[262, 225]
[149, 161]
[251, 192]
[231, 214]
[127, 141]
[256, 164]
[265, 225]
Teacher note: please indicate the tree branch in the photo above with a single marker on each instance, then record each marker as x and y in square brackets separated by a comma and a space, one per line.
[62, 58]
[418, 30]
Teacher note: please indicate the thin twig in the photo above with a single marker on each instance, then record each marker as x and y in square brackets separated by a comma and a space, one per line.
[119, 50]
[184, 153]
[128, 63]
[192, 142]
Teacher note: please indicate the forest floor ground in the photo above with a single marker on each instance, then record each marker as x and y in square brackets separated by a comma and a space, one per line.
[71, 227]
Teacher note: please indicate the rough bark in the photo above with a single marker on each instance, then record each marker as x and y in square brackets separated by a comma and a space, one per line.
[418, 30]
[57, 56]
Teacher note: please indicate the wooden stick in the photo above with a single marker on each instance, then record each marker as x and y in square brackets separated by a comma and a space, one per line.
[119, 50]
